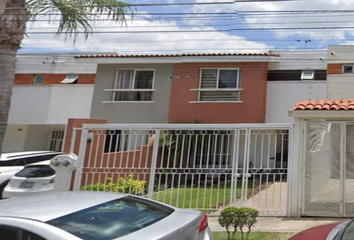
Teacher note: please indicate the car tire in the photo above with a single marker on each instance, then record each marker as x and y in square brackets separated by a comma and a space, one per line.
[2, 187]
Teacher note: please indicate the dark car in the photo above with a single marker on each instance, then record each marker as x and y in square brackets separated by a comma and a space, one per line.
[333, 231]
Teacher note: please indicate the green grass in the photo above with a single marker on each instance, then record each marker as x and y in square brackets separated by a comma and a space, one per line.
[255, 236]
[207, 197]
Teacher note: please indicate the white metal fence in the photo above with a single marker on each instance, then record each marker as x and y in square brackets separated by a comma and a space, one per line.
[206, 167]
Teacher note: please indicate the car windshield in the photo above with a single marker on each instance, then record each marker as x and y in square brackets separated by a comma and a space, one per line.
[348, 234]
[112, 219]
[36, 171]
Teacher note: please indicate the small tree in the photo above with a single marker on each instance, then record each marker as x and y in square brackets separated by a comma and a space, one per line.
[226, 220]
[251, 219]
[242, 219]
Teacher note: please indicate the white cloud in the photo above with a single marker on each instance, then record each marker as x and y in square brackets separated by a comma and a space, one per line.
[292, 20]
[141, 42]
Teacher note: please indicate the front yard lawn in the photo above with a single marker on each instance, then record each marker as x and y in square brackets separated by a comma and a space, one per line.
[205, 197]
[255, 236]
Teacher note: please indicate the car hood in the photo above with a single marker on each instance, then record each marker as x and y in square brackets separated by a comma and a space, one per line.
[318, 233]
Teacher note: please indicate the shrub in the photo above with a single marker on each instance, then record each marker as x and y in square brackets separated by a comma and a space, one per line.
[227, 218]
[128, 185]
[238, 218]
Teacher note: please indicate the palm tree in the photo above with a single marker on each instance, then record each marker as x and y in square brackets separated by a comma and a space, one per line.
[75, 15]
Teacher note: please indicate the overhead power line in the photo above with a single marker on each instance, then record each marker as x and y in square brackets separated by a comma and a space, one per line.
[204, 30]
[180, 3]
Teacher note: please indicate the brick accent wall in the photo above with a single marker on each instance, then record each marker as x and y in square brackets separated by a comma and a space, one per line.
[334, 69]
[27, 79]
[23, 79]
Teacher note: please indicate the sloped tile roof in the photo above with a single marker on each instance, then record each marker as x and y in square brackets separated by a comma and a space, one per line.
[176, 55]
[326, 105]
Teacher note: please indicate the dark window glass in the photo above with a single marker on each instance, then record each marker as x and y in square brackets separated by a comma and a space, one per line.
[38, 79]
[113, 139]
[321, 75]
[294, 75]
[8, 233]
[36, 171]
[228, 78]
[112, 219]
[36, 159]
[11, 233]
[143, 79]
[12, 163]
[26, 160]
[30, 236]
[347, 69]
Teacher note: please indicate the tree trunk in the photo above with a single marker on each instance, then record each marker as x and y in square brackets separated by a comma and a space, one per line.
[12, 30]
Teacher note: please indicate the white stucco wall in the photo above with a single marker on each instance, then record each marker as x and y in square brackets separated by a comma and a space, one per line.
[282, 96]
[15, 138]
[50, 104]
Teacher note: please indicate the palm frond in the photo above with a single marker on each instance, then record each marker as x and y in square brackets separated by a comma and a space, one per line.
[78, 14]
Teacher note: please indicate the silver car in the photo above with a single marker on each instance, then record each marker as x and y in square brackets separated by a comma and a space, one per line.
[98, 216]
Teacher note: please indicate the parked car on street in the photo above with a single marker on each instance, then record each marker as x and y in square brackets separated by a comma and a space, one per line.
[32, 179]
[98, 216]
[333, 231]
[11, 163]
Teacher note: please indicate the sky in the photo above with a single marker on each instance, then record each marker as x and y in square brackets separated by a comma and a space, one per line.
[235, 27]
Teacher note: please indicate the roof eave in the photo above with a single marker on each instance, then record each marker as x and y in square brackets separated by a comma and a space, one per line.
[172, 60]
[322, 114]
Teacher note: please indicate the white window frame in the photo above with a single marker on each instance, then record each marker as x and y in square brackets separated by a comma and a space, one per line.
[34, 78]
[115, 82]
[74, 76]
[200, 89]
[347, 65]
[309, 78]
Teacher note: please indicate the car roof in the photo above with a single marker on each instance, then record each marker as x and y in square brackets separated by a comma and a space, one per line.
[14, 155]
[47, 207]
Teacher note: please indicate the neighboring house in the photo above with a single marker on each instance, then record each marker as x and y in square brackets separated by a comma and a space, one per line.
[341, 72]
[299, 75]
[207, 88]
[48, 89]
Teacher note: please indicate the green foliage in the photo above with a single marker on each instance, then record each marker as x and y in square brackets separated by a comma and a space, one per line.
[238, 219]
[128, 185]
[76, 15]
[227, 219]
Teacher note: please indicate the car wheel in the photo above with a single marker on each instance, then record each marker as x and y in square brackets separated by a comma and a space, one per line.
[2, 187]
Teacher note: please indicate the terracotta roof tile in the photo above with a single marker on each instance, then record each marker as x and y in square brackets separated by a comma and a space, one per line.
[325, 105]
[176, 55]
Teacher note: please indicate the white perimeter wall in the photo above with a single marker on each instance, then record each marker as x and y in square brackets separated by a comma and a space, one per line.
[282, 96]
[49, 104]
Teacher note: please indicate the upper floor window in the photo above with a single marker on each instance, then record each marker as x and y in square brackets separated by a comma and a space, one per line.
[70, 79]
[133, 85]
[307, 75]
[347, 69]
[220, 85]
[38, 79]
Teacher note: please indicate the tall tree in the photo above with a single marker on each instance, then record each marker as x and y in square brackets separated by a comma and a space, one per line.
[75, 16]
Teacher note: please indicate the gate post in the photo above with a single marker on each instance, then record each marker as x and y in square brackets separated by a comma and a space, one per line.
[155, 155]
[245, 166]
[81, 158]
[234, 164]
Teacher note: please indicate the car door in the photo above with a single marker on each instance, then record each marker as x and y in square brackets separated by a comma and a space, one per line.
[13, 233]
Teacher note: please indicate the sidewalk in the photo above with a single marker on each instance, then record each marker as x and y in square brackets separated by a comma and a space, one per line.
[276, 224]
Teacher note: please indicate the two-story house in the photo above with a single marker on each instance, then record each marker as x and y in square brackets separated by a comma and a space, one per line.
[206, 88]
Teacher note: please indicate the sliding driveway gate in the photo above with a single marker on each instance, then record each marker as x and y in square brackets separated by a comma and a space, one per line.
[205, 167]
